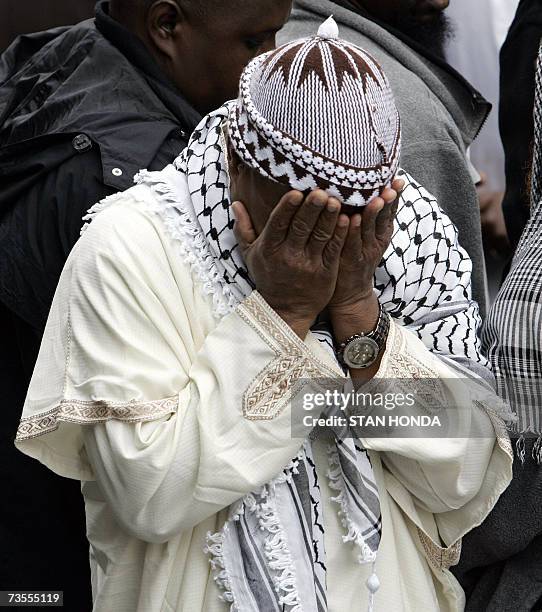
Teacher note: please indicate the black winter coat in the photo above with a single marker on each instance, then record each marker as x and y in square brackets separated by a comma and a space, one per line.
[82, 109]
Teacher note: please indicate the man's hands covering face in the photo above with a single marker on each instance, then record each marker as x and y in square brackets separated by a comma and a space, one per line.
[310, 256]
[369, 235]
[295, 260]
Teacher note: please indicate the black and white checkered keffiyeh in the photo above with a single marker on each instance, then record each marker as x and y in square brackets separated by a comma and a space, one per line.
[513, 331]
[424, 284]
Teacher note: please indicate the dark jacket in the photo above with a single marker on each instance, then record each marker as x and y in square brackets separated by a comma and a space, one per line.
[82, 109]
[518, 61]
[77, 120]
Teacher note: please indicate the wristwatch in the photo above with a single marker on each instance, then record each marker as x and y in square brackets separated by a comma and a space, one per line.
[360, 351]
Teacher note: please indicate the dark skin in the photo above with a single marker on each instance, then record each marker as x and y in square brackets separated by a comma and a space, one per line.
[204, 54]
[494, 230]
[306, 255]
[389, 11]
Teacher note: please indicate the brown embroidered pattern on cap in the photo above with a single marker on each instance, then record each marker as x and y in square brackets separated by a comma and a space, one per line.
[344, 136]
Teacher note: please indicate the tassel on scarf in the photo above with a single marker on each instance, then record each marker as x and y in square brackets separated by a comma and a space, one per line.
[537, 450]
[372, 584]
[520, 449]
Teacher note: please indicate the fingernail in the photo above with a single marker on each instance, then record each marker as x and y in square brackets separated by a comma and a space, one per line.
[356, 220]
[296, 198]
[343, 221]
[318, 198]
[333, 206]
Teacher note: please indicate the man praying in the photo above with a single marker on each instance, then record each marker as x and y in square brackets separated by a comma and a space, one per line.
[197, 308]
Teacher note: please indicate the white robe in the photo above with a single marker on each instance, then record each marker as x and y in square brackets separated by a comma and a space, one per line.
[141, 393]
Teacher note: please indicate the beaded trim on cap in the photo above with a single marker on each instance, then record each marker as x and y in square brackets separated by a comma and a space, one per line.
[319, 113]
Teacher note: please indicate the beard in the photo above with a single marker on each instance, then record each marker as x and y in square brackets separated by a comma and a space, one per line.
[432, 35]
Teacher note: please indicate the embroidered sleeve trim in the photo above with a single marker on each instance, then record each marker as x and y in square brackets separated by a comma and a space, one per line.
[272, 389]
[439, 557]
[401, 363]
[92, 412]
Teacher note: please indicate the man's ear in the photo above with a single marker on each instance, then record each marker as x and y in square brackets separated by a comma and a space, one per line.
[164, 19]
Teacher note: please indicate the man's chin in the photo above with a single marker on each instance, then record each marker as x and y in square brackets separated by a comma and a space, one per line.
[429, 29]
[428, 19]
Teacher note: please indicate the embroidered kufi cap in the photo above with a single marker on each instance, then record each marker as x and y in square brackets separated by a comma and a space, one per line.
[319, 113]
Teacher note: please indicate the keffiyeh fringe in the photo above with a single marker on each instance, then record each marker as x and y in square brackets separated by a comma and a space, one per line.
[191, 244]
[536, 453]
[276, 548]
[353, 533]
[184, 231]
[215, 549]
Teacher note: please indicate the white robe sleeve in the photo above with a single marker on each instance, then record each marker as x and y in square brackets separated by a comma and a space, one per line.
[176, 416]
[425, 284]
[458, 479]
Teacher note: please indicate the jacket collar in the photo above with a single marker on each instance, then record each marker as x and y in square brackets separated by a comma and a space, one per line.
[466, 105]
[137, 54]
[41, 98]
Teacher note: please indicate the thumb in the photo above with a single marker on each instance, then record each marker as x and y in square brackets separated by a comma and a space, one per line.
[243, 229]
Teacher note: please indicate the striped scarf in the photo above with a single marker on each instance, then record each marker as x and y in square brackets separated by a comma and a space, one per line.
[255, 563]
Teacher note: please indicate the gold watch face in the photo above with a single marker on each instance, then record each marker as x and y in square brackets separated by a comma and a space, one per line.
[361, 353]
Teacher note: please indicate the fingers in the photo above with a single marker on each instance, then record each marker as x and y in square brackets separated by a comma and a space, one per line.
[384, 220]
[333, 249]
[278, 225]
[243, 229]
[370, 216]
[389, 195]
[305, 220]
[353, 244]
[324, 228]
[398, 185]
[382, 211]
